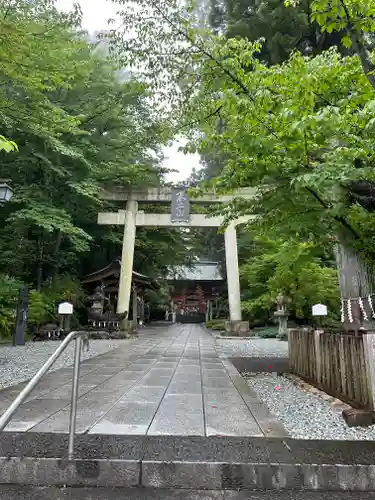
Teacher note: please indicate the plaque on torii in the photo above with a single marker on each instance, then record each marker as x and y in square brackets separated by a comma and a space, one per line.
[180, 206]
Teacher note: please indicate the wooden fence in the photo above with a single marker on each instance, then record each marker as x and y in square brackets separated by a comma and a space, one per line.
[340, 364]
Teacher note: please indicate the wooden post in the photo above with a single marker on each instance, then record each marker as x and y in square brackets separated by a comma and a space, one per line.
[142, 312]
[208, 310]
[135, 308]
[343, 371]
[318, 355]
[368, 346]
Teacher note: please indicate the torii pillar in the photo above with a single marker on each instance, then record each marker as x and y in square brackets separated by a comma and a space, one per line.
[127, 259]
[233, 275]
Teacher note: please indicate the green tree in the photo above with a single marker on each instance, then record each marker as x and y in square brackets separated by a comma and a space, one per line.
[353, 17]
[8, 302]
[299, 132]
[282, 29]
[292, 268]
[80, 127]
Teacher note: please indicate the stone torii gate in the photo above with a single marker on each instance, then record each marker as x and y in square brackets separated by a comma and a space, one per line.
[131, 217]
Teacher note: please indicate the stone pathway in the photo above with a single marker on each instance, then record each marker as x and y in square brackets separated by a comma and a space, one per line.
[170, 381]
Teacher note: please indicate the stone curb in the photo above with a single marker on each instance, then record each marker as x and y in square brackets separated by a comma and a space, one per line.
[57, 472]
[255, 477]
[187, 475]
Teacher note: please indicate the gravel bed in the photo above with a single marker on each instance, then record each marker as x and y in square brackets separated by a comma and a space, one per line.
[254, 347]
[304, 415]
[20, 363]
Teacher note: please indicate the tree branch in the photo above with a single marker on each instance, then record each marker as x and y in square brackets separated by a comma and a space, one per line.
[359, 47]
[337, 218]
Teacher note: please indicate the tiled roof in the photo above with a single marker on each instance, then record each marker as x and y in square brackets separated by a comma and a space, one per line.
[204, 271]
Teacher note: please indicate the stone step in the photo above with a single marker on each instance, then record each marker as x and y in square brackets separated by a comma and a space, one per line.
[227, 463]
[110, 473]
[13, 492]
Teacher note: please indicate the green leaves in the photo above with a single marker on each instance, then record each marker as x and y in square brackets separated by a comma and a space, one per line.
[7, 145]
[51, 220]
[292, 268]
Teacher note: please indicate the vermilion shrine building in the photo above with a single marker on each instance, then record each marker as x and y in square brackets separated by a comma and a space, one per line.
[194, 290]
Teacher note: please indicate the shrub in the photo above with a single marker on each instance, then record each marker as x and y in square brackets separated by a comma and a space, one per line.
[267, 332]
[41, 308]
[9, 289]
[216, 324]
[65, 288]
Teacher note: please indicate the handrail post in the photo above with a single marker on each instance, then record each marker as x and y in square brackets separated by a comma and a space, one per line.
[8, 414]
[74, 400]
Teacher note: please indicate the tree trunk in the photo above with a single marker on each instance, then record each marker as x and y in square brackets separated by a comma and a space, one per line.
[56, 266]
[39, 269]
[356, 287]
[39, 275]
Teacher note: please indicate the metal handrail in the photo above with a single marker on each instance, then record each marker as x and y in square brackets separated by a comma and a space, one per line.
[7, 416]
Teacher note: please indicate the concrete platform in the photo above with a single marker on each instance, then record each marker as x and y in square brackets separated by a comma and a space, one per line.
[170, 381]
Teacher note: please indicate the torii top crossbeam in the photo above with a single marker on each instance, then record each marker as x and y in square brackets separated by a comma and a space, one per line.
[164, 195]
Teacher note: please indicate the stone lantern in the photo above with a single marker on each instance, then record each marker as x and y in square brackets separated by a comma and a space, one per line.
[282, 315]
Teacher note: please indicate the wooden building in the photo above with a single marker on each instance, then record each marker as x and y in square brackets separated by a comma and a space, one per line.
[106, 280]
[194, 290]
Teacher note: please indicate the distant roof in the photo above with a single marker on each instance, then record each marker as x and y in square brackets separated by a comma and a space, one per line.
[113, 269]
[202, 271]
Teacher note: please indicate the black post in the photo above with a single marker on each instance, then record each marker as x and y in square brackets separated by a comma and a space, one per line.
[21, 319]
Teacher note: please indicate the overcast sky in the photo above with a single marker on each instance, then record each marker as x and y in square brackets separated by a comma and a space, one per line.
[95, 16]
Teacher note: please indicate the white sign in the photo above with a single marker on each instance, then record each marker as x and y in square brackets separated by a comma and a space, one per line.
[66, 308]
[319, 310]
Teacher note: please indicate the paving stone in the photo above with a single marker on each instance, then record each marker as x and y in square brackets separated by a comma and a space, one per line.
[161, 372]
[151, 381]
[140, 367]
[163, 364]
[218, 396]
[189, 362]
[186, 386]
[179, 415]
[212, 365]
[108, 371]
[65, 391]
[90, 409]
[31, 414]
[223, 383]
[214, 373]
[95, 378]
[143, 393]
[126, 418]
[230, 420]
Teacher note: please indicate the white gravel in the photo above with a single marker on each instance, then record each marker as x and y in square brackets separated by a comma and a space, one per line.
[303, 414]
[254, 347]
[20, 363]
